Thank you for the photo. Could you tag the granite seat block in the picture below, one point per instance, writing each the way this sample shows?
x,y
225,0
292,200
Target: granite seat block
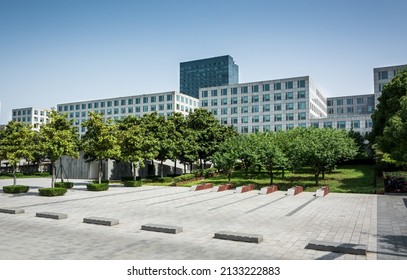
x,y
323,191
162,228
245,188
295,190
238,236
12,210
338,247
269,189
51,215
101,221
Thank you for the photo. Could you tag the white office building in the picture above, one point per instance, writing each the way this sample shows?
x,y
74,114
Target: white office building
x,y
267,105
35,117
164,103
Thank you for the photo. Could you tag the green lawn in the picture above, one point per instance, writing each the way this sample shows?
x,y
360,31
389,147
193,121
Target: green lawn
x,y
345,179
21,175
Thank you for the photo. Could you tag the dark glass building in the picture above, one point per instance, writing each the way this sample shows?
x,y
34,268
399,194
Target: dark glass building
x,y
209,72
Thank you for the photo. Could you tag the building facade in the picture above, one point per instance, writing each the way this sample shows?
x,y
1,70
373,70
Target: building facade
x,y
34,117
215,71
267,105
164,103
382,76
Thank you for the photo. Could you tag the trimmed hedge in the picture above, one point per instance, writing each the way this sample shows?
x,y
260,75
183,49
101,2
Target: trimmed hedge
x,y
103,181
97,187
130,178
132,183
16,189
52,191
184,177
67,185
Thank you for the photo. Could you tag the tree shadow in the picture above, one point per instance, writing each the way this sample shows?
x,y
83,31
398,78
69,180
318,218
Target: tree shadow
x,y
392,247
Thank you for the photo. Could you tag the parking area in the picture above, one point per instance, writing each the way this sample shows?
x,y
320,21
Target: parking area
x,y
287,224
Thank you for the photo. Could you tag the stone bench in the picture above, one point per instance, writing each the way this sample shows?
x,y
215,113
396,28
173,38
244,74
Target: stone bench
x,y
337,247
12,210
201,187
295,190
269,189
222,188
101,221
238,236
246,188
51,215
162,228
323,191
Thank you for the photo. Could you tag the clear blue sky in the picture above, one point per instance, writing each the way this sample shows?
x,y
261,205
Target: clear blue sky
x,y
54,51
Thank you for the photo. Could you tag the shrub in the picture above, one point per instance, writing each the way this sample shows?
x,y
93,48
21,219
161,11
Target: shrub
x,y
52,191
184,177
132,183
66,185
16,189
209,172
97,187
130,178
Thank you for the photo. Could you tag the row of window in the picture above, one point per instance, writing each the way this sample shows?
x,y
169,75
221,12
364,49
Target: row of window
x,y
126,102
255,108
351,110
266,118
279,127
254,88
350,101
28,119
264,97
28,112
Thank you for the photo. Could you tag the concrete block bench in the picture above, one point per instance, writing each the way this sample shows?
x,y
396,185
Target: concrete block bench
x,y
269,189
246,188
101,221
338,247
295,190
201,187
51,215
12,210
323,191
222,188
162,228
238,236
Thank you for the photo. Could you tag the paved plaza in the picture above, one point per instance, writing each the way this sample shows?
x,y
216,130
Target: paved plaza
x,y
287,224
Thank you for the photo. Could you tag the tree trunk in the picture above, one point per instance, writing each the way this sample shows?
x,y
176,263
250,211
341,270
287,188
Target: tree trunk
x,y
175,167
162,169
282,172
271,176
53,167
133,165
317,178
14,174
185,168
60,168
200,163
323,172
229,175
100,171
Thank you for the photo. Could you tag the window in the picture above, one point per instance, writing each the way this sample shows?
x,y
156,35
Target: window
x,y
255,108
266,118
266,128
277,96
331,111
123,102
245,129
339,102
214,93
244,89
116,111
255,98
278,127
359,100
234,90
383,75
330,103
277,86
224,111
370,109
65,109
116,103
289,117
214,111
84,106
137,109
169,106
214,102
130,110
89,105
255,119
224,91
349,110
161,98
339,110
368,123
301,94
341,125
360,109
245,109
137,100
266,97
145,108
289,95
130,101
289,106
288,85
355,124
233,120
302,116
205,93
302,105
327,124
302,125
255,128
289,126
169,97
204,103
145,99
102,105
160,107
244,99
70,108
233,110
266,87
233,100
255,88
349,101
245,119
277,118
123,110
224,120
277,107
315,124
266,108
301,83
224,101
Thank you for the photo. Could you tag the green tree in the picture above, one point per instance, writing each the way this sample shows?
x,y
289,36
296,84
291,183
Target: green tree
x,y
269,152
226,157
16,142
320,148
246,152
136,143
58,139
100,141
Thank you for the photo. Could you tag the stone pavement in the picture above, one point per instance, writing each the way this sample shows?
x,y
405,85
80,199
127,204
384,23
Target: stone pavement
x,y
287,224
